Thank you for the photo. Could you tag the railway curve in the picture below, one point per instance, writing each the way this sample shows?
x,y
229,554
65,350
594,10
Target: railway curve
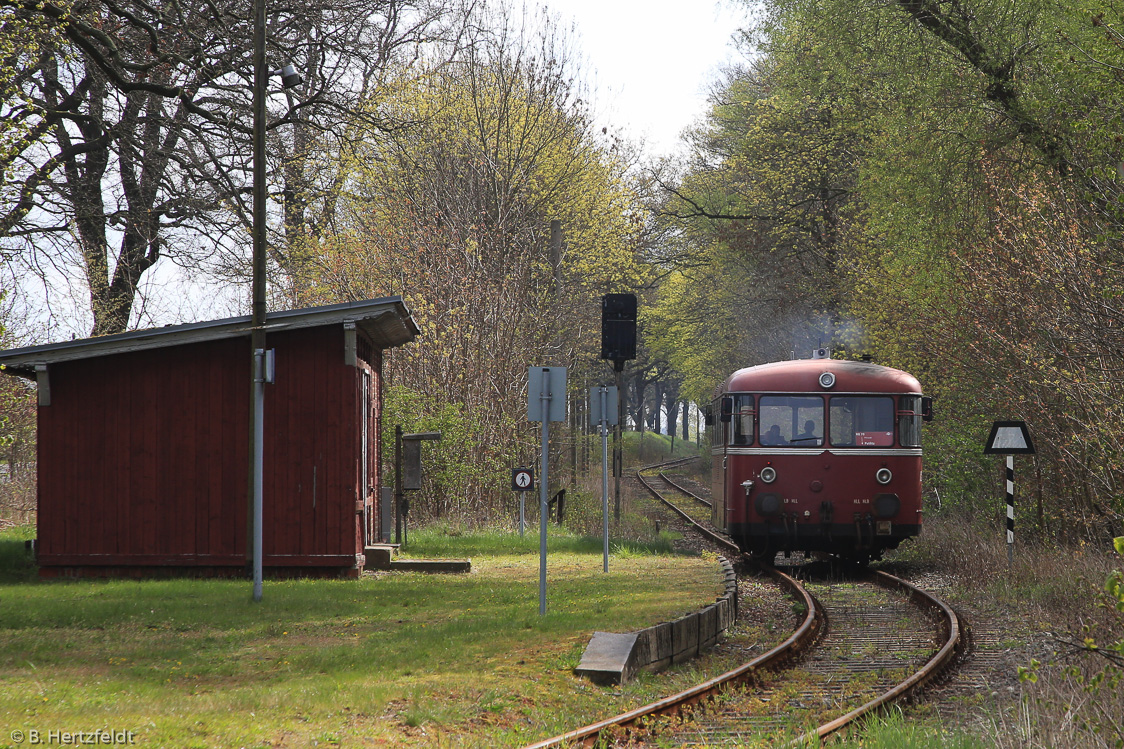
x,y
949,635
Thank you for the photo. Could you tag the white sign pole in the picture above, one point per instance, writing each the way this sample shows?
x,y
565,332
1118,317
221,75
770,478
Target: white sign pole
x,y
543,505
604,395
549,404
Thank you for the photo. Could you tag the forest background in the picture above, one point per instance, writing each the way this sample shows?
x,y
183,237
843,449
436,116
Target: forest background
x,y
934,184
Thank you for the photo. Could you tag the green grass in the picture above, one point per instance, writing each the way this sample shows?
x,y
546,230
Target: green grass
x,y
654,448
15,562
893,730
445,540
396,659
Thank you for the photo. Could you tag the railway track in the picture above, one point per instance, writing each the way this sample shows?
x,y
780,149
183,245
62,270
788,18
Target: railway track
x,y
704,502
865,640
700,526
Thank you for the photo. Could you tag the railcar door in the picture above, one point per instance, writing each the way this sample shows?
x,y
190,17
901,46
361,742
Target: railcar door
x,y
717,435
739,435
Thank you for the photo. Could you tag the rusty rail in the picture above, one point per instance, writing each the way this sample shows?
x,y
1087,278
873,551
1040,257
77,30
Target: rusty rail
x,y
944,657
685,490
801,638
707,533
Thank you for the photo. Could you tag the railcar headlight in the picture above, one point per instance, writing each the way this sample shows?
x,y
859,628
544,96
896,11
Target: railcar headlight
x,y
768,474
883,476
827,379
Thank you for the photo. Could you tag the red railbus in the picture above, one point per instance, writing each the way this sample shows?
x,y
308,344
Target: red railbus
x,y
818,455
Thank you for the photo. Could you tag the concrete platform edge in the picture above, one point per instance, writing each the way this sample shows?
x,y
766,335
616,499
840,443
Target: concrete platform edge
x,y
615,658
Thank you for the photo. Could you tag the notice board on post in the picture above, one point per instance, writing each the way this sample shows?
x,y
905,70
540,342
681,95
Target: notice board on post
x,y
549,381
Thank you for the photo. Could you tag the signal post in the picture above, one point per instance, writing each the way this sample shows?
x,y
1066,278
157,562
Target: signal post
x,y
618,344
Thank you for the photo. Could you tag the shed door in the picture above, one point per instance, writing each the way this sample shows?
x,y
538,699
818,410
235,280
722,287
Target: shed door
x,y
365,452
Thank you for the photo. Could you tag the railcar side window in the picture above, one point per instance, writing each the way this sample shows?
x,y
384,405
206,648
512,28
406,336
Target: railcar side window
x,y
742,423
862,421
791,420
717,427
909,420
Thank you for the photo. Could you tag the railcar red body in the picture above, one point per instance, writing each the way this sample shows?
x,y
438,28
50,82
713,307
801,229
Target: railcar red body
x,y
818,455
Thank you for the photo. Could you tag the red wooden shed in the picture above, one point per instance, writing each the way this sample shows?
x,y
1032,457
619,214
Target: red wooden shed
x,y
143,444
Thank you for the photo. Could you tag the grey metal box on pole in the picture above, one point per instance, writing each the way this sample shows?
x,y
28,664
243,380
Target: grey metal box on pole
x,y
386,512
552,382
611,416
411,465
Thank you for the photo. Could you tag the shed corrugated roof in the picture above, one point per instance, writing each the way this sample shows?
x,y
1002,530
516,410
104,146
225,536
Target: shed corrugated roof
x,y
387,321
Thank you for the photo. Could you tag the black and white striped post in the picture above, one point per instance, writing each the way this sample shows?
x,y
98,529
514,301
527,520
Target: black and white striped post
x,y
1009,438
1010,510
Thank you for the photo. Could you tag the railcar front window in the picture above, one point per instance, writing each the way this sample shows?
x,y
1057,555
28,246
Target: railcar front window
x,y
742,421
791,420
909,420
862,421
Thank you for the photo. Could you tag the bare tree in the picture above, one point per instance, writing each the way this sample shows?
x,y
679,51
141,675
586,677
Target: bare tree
x,y
454,212
135,142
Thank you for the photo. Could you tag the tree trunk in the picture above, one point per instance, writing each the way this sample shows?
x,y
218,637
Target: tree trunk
x,y
657,407
672,414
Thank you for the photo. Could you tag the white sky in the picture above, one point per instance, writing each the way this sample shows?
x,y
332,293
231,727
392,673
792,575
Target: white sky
x,y
652,61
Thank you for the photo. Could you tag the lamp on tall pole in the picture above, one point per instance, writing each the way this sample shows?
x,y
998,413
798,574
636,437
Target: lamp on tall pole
x,y
257,303
289,78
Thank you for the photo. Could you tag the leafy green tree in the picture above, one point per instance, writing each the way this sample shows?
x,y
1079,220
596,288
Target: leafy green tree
x,y
17,443
455,211
765,209
977,144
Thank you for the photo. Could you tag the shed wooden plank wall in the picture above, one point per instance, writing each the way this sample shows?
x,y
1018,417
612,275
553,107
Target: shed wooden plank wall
x,y
311,451
144,456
